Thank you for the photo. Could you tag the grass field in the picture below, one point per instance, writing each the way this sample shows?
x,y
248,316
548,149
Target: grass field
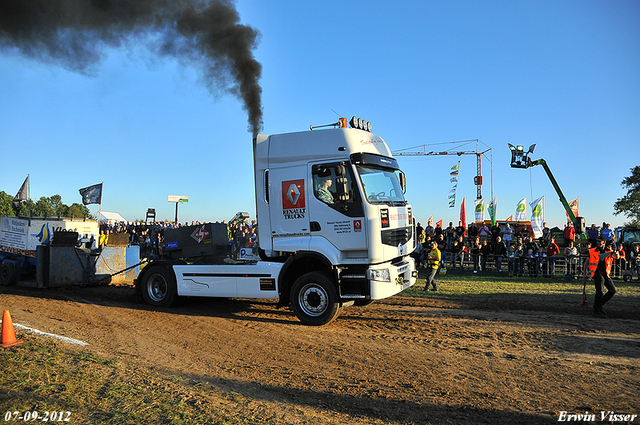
x,y
525,293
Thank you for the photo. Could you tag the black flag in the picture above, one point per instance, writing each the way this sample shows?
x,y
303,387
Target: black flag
x,y
22,195
91,194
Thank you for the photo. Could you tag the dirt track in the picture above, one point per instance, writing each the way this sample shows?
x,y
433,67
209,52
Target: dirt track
x,y
401,360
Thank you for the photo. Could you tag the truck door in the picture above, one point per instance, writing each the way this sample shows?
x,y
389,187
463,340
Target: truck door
x,y
336,211
288,204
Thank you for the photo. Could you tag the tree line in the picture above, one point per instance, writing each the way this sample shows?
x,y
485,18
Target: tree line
x,y
51,206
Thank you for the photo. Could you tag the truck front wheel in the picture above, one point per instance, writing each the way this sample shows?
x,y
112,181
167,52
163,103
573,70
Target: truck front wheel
x,y
8,274
158,287
314,299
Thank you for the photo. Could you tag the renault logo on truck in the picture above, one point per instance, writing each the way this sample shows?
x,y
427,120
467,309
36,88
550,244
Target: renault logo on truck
x,y
293,194
293,201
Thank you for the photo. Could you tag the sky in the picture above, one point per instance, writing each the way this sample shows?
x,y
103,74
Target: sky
x,y
564,75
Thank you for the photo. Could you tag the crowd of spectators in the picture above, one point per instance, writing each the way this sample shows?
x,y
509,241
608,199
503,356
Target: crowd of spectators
x,y
150,236
501,248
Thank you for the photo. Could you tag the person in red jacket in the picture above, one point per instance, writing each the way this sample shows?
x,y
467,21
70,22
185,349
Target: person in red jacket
x,y
600,259
569,234
552,251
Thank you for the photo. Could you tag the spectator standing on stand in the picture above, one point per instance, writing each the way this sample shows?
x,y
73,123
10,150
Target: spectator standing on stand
x,y
485,252
546,235
499,252
569,234
449,233
484,232
495,232
532,249
571,258
518,260
552,251
507,234
460,231
607,234
592,235
472,232
419,229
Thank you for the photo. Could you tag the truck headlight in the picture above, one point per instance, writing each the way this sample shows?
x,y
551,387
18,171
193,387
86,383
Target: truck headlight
x,y
381,275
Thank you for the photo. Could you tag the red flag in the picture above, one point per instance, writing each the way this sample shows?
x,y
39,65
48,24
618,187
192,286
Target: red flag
x,y
510,218
439,223
463,217
430,221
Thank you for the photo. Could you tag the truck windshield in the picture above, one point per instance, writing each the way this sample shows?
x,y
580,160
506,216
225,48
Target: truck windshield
x,y
381,185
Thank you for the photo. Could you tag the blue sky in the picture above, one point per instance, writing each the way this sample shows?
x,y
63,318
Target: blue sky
x,y
562,74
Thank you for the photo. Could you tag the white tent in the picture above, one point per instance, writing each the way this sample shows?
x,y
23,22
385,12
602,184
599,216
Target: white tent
x,y
110,217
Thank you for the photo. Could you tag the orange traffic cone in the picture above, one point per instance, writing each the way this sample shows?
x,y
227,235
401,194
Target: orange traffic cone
x,y
8,334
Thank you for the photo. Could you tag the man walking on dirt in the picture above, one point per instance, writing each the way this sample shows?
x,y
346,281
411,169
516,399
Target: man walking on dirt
x,y
433,261
600,259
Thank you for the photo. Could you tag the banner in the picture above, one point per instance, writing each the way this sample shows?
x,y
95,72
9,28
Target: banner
x,y
454,180
537,216
574,207
521,210
493,206
463,217
479,216
91,194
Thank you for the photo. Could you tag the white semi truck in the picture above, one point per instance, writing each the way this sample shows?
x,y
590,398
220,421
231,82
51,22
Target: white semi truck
x,y
334,229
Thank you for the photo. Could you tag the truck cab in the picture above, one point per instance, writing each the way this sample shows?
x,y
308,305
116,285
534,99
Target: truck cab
x,y
332,202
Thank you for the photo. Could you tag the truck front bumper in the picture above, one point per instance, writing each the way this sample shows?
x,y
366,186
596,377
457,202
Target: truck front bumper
x,y
388,279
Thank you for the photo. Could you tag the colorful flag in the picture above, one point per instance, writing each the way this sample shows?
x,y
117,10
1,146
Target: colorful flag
x,y
521,210
463,217
454,180
430,221
493,206
91,194
537,216
479,216
574,207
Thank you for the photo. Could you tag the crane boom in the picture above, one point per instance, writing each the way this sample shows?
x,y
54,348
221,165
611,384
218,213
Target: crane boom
x,y
477,180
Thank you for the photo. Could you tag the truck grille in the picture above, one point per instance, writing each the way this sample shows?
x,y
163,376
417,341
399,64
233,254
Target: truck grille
x,y
395,237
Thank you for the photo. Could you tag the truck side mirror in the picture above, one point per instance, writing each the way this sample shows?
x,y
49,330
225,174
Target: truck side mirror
x,y
403,182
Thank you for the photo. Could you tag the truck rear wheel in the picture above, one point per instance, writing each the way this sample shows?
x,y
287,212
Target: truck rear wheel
x,y
158,287
314,299
8,274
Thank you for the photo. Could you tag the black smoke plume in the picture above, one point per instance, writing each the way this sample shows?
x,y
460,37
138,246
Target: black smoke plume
x,y
203,33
